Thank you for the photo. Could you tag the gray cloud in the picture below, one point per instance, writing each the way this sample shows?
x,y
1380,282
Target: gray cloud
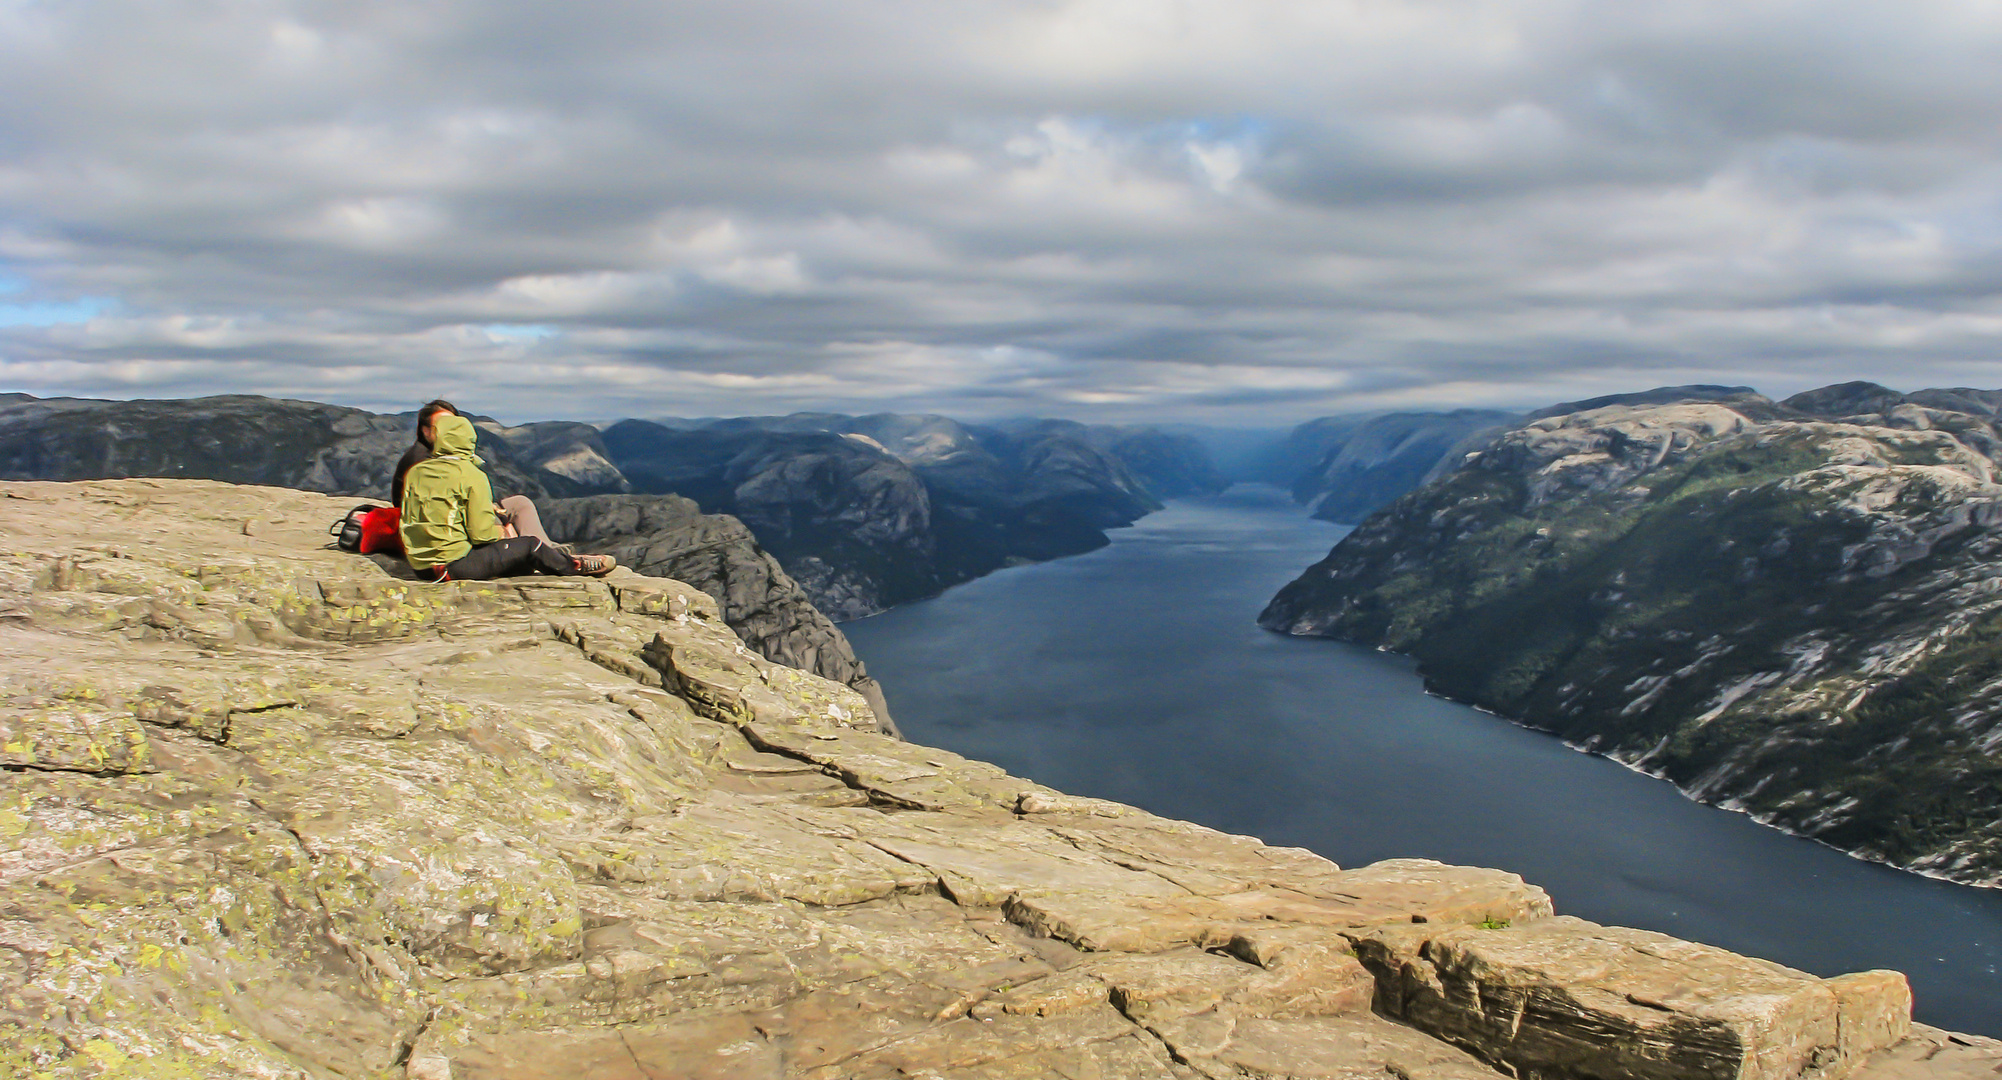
x,y
1240,211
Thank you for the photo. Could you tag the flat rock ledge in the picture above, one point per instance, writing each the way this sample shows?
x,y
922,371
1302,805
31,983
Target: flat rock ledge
x,y
270,811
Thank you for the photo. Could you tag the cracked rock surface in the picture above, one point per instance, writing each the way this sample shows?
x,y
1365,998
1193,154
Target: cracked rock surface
x,y
267,810
669,536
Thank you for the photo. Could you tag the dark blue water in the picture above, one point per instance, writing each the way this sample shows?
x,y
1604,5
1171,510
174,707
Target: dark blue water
x,y
1137,673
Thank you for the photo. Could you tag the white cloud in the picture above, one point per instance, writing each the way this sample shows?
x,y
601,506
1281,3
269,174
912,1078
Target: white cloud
x,y
1237,210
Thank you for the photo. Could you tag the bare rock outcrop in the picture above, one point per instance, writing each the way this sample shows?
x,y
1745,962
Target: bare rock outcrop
x,y
669,536
272,811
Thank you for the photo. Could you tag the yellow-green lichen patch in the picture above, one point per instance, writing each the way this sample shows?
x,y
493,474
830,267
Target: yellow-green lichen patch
x,y
74,736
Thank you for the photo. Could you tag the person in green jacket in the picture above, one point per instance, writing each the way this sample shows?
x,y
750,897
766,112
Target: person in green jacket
x,y
448,526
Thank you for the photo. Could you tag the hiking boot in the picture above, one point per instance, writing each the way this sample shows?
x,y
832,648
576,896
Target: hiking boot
x,y
594,565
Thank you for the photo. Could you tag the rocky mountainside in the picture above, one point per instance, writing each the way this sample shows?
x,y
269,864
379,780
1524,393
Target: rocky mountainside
x,y
1141,463
272,811
246,439
1365,466
1789,607
874,511
575,452
1169,464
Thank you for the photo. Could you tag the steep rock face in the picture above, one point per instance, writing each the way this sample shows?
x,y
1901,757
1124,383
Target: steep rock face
x,y
245,439
273,811
1780,607
1381,458
668,536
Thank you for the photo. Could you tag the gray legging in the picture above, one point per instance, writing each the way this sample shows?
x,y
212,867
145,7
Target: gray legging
x,y
519,511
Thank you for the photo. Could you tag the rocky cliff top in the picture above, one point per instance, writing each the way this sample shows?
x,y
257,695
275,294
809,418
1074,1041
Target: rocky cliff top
x,y
271,810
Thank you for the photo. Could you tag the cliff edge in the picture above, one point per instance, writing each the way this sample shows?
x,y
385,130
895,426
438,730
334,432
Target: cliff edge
x,y
272,811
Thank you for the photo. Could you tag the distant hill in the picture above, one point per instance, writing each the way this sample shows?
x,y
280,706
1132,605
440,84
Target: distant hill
x,y
246,439
1366,464
873,511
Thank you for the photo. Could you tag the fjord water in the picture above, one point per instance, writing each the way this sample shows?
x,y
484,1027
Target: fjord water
x,y
1137,673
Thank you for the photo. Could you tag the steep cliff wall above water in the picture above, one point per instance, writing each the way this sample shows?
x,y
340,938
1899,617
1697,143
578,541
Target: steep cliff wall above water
x,y
1786,607
272,811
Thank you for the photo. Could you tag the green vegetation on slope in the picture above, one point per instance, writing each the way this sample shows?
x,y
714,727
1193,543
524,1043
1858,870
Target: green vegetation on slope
x,y
1795,616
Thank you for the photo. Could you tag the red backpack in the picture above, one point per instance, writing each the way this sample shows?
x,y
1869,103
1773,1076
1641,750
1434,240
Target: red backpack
x,y
368,530
380,531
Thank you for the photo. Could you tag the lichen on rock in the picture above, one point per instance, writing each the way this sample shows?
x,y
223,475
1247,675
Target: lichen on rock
x,y
268,810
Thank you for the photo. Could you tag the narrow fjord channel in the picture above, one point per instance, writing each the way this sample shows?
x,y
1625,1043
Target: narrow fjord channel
x,y
1137,673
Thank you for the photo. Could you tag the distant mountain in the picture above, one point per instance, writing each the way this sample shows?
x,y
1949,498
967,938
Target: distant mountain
x,y
1293,457
1366,464
1156,461
1170,465
573,451
1793,608
1743,398
873,511
246,439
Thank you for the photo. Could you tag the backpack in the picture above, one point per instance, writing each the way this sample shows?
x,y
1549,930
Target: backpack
x,y
380,531
347,531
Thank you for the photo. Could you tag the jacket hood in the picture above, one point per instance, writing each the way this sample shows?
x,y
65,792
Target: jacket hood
x,y
454,436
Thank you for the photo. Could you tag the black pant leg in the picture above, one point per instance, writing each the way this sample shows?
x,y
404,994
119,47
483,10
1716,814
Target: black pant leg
x,y
502,558
551,559
513,556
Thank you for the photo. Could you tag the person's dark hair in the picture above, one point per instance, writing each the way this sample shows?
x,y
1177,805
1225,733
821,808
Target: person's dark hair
x,y
431,409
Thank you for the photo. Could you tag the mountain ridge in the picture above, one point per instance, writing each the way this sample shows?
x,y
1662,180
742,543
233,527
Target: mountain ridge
x,y
845,503
1783,607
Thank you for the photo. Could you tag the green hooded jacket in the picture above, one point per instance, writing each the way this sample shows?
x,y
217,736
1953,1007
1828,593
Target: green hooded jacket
x,y
448,503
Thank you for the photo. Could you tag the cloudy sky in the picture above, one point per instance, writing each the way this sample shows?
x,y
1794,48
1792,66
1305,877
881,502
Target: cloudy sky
x,y
1234,211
